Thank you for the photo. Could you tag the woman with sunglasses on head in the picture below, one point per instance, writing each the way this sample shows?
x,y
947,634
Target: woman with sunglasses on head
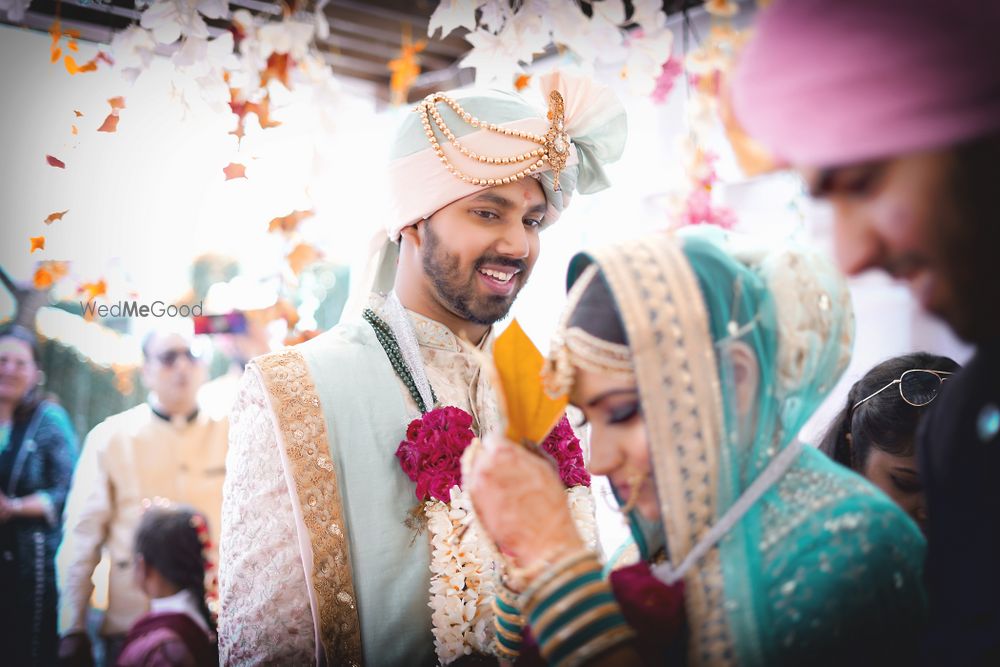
x,y
696,360
875,433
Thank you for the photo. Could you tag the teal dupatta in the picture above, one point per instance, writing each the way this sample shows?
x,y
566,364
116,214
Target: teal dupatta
x,y
823,566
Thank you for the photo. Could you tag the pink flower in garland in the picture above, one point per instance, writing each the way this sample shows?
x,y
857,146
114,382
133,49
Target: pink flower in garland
x,y
563,445
431,455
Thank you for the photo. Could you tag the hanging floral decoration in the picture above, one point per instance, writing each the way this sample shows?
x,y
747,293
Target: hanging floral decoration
x,y
504,36
706,67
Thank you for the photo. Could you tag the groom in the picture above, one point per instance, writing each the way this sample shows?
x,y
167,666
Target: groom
x,y
317,562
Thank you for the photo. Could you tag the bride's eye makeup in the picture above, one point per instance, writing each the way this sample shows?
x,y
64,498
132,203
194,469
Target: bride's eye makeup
x,y
623,413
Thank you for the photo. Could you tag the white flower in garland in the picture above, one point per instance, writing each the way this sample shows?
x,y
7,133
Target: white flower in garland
x,y
461,585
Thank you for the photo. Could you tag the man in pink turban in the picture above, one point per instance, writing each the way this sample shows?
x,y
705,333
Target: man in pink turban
x,y
890,109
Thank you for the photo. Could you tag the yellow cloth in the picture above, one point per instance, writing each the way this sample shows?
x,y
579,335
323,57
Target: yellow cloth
x,y
127,458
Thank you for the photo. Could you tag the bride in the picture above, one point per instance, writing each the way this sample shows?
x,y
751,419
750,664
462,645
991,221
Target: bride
x,y
696,363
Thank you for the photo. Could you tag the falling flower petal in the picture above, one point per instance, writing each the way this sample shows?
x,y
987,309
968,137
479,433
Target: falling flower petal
x,y
56,53
289,223
52,217
37,243
93,290
110,123
522,81
72,46
74,130
55,162
79,114
50,272
302,256
234,170
117,103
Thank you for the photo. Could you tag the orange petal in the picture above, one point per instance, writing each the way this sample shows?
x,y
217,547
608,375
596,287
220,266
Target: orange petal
x,y
72,45
56,52
93,290
74,130
522,81
290,222
302,256
52,217
79,114
110,123
234,170
117,102
37,243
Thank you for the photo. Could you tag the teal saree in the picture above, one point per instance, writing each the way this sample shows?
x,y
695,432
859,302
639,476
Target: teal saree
x,y
787,558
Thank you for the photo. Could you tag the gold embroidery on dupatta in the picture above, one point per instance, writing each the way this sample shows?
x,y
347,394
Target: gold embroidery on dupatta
x,y
303,430
666,322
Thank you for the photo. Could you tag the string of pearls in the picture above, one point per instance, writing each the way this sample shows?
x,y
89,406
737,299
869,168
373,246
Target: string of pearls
x,y
553,146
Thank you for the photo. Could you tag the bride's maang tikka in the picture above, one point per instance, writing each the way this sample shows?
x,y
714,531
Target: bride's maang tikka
x,y
574,348
553,146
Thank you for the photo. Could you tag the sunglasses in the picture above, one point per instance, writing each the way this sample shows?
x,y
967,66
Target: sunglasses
x,y
917,386
170,357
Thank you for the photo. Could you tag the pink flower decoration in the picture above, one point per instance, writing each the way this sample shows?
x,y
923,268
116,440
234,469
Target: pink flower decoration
x,y
563,445
665,82
431,454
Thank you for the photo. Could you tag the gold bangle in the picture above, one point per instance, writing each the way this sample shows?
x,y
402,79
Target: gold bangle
x,y
556,570
583,620
507,634
574,597
597,646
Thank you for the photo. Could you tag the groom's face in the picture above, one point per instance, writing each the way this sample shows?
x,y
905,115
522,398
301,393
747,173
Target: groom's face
x,y
478,252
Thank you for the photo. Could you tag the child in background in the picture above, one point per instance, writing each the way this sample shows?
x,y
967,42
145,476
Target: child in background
x,y
170,551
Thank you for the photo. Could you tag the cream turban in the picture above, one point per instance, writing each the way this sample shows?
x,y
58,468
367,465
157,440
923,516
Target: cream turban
x,y
592,130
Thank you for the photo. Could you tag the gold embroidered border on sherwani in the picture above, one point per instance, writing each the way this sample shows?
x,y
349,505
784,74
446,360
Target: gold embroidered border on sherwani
x,y
666,322
303,434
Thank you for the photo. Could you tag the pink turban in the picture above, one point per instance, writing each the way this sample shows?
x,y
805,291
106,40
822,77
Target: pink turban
x,y
832,82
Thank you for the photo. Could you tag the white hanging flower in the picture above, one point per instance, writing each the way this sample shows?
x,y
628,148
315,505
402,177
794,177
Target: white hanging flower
x,y
291,37
646,56
133,50
14,9
170,19
452,14
649,15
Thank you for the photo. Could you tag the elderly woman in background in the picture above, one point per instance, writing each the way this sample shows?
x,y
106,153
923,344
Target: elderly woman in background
x,y
696,361
875,433
38,449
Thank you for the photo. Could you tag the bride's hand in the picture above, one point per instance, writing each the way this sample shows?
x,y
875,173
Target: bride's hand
x,y
521,503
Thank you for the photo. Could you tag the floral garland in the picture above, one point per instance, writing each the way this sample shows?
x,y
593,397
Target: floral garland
x,y
463,562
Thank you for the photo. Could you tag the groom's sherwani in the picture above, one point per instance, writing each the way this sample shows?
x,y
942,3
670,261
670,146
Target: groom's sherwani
x,y
317,562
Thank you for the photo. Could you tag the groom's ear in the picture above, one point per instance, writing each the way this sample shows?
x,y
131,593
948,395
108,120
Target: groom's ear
x,y
746,375
413,235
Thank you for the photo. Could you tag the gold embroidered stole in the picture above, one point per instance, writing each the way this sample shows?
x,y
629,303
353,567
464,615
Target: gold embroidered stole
x,y
303,436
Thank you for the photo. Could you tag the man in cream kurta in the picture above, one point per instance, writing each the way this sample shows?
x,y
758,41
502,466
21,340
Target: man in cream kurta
x,y
319,563
165,448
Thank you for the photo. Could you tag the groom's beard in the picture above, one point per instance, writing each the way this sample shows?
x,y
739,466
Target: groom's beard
x,y
459,288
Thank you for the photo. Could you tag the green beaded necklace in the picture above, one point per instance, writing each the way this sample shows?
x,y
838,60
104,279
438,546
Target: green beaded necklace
x,y
387,340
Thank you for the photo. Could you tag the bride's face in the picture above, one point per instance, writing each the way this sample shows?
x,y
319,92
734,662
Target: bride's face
x,y
618,442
